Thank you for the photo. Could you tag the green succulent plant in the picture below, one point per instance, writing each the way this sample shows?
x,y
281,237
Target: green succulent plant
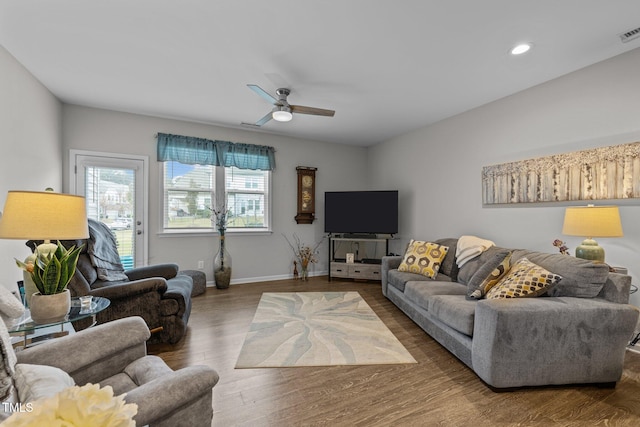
x,y
52,271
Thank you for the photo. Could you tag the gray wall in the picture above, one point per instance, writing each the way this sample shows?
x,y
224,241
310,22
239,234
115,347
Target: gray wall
x,y
438,168
30,138
255,257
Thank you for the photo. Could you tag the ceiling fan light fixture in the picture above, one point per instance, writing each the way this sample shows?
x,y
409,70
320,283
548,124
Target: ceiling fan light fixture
x,y
282,114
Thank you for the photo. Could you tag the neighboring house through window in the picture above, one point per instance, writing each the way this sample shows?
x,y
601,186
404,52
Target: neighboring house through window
x,y
198,174
190,194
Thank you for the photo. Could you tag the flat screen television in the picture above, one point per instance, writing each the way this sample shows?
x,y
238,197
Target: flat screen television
x,y
361,212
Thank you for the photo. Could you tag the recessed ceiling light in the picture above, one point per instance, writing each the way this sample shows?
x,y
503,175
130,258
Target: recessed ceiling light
x,y
521,48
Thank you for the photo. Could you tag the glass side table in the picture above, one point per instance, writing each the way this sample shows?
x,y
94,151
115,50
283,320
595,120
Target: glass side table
x,y
25,326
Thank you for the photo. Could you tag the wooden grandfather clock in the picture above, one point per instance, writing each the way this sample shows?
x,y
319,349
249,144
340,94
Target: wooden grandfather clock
x,y
306,195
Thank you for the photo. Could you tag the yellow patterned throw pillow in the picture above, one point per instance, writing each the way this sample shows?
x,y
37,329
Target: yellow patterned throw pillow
x,y
423,258
525,279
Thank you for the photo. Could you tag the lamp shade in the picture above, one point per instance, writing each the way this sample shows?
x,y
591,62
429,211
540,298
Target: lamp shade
x,y
592,221
32,215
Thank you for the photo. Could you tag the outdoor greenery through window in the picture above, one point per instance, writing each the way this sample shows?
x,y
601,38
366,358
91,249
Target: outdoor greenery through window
x,y
190,191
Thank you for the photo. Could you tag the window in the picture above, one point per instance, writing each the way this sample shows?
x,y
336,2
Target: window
x,y
190,191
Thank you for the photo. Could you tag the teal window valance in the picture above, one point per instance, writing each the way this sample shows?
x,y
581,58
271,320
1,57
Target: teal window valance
x,y
199,151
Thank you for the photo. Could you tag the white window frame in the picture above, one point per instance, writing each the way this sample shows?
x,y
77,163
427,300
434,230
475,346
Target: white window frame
x,y
220,185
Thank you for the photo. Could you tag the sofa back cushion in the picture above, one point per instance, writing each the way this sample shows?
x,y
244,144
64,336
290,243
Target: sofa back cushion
x,y
449,266
470,267
580,278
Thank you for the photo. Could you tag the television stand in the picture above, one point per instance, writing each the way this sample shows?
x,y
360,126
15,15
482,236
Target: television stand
x,y
360,268
359,236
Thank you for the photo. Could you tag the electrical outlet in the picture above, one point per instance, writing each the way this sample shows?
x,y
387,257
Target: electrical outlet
x,y
201,264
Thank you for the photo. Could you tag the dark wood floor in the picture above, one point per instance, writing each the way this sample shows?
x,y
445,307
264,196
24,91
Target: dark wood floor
x,y
439,390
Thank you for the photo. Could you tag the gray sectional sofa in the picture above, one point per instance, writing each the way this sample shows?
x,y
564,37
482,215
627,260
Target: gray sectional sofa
x,y
576,333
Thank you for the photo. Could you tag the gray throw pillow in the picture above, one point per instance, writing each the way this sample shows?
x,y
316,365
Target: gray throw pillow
x,y
471,267
488,275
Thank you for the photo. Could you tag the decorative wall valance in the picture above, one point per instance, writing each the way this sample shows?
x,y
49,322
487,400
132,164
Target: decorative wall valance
x,y
199,151
595,174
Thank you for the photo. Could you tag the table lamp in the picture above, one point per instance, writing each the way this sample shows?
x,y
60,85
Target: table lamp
x,y
34,215
592,221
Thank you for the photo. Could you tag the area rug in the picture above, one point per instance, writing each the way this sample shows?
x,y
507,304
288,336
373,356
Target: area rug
x,y
318,329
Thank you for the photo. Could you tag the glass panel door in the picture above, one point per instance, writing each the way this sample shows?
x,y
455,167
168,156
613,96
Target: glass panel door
x,y
114,189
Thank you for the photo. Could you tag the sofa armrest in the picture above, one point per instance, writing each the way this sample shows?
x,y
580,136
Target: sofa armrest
x,y
616,288
175,390
388,263
124,290
538,341
95,353
167,271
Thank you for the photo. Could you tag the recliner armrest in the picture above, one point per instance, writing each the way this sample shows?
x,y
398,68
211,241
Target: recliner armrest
x,y
123,290
103,350
167,271
175,390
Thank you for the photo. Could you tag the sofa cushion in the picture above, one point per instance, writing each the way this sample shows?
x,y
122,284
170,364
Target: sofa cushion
x,y
399,279
488,275
423,258
580,277
470,267
454,311
525,279
419,292
449,266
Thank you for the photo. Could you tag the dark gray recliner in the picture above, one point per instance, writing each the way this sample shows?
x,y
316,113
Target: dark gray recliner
x,y
157,293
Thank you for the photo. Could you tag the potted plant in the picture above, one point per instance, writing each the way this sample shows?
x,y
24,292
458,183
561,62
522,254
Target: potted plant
x,y
50,272
304,255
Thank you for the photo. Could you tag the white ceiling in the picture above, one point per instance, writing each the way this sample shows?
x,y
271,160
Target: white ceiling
x,y
386,67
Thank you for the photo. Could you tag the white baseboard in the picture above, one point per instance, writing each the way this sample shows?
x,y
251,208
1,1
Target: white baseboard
x,y
266,278
633,349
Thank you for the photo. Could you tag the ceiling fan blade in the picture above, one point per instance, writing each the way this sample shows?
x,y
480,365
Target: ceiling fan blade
x,y
257,89
265,119
300,109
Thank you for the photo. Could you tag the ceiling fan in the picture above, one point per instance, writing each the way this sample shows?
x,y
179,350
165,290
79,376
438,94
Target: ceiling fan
x,y
282,110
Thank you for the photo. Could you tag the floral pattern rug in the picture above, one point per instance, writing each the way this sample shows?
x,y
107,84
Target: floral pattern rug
x,y
318,329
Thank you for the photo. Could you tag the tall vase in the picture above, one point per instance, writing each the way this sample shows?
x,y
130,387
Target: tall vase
x,y
222,265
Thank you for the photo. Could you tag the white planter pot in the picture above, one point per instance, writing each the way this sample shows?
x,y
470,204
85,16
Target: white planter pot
x,y
50,308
